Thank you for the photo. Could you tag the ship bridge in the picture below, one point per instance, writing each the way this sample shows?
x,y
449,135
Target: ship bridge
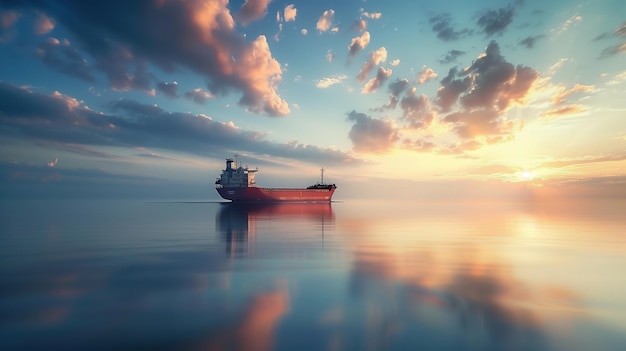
x,y
236,177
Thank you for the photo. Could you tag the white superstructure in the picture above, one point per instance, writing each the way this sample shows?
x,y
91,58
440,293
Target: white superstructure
x,y
236,177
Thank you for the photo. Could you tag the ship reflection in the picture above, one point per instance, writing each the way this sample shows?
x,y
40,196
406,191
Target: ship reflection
x,y
238,223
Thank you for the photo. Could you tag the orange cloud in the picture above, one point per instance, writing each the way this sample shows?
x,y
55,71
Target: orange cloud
x,y
325,21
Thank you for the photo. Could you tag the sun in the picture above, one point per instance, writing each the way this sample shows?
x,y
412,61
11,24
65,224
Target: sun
x,y
527,175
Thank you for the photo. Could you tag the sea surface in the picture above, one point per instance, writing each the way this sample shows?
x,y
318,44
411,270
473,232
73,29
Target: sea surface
x,y
351,275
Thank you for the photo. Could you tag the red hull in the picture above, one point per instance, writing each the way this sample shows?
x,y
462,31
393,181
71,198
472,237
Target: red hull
x,y
254,194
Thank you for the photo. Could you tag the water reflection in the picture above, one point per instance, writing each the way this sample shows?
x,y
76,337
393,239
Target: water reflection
x,y
494,278
346,276
238,223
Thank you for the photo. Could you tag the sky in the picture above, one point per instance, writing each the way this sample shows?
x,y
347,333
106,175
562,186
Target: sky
x,y
389,97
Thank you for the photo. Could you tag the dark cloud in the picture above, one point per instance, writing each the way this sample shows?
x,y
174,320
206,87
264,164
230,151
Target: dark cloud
x,y
395,89
451,56
60,56
530,41
485,90
613,50
496,21
124,39
373,135
442,25
199,95
61,119
7,19
169,89
360,25
252,10
417,110
398,86
620,31
496,82
450,90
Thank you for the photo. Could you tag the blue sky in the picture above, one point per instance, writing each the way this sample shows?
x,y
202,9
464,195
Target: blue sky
x,y
153,95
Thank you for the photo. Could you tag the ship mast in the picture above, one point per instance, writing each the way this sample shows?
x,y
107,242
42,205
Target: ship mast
x,y
322,170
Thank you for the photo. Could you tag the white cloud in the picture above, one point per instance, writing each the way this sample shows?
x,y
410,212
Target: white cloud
x,y
330,81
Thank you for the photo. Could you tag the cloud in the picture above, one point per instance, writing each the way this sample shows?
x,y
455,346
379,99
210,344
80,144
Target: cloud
x,y
53,163
482,123
199,95
451,56
376,57
304,31
360,25
62,119
358,44
169,89
426,74
570,21
613,50
373,84
442,25
394,62
485,89
530,41
582,160
7,19
618,32
43,24
327,82
330,57
325,21
125,40
450,90
371,135
617,79
396,88
418,111
373,15
290,13
496,21
251,11
60,56
560,111
562,94
495,82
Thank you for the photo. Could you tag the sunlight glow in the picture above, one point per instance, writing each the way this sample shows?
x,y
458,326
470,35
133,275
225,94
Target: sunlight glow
x,y
527,175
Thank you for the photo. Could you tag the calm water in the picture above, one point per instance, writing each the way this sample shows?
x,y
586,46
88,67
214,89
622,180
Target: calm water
x,y
107,275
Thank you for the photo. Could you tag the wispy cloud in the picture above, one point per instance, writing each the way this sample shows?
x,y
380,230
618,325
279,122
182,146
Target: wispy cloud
x,y
327,82
495,21
132,124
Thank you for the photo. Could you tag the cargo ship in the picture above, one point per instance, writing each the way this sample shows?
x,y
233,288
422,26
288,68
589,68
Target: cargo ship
x,y
237,184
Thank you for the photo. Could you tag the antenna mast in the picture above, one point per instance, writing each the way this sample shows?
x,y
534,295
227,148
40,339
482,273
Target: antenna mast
x,y
322,169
